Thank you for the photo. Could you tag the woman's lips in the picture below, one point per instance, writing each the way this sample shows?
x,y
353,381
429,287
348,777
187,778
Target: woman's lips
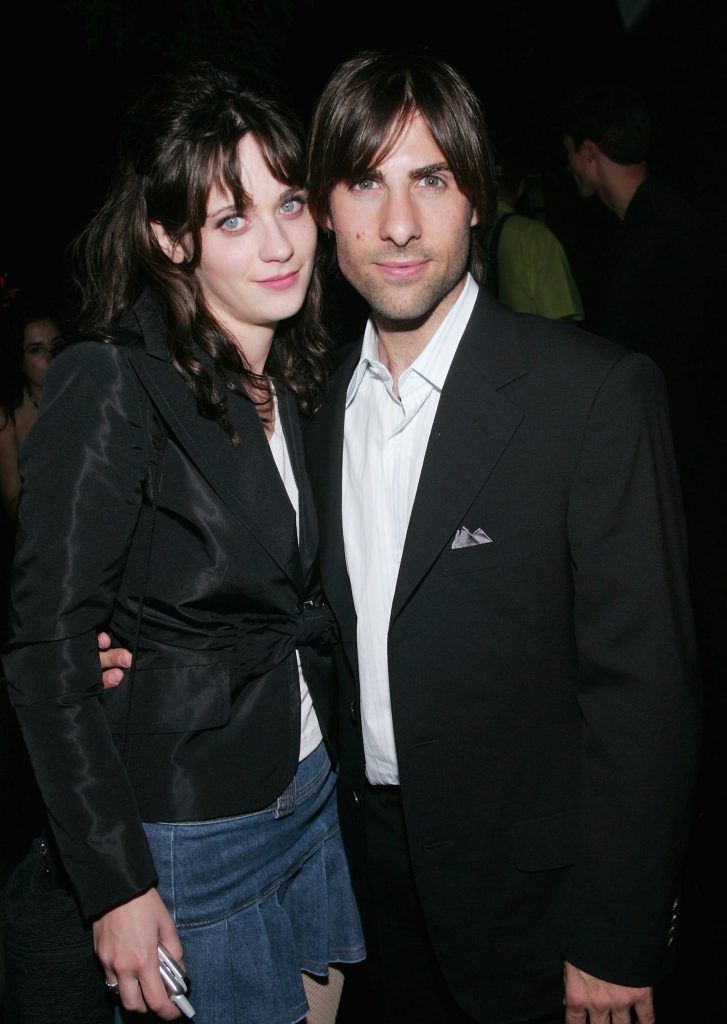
x,y
279,284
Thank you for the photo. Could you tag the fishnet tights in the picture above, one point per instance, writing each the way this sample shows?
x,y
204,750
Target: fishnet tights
x,y
323,995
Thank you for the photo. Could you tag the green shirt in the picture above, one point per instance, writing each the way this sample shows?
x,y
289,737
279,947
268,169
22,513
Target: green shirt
x,y
533,275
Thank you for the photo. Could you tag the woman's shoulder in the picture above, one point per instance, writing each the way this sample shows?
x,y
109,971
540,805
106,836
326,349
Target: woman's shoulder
x,y
89,377
94,357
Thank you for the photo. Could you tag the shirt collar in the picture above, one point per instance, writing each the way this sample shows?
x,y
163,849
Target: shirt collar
x,y
434,360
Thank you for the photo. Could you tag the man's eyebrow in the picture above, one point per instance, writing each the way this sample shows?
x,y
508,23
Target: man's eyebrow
x,y
371,173
423,172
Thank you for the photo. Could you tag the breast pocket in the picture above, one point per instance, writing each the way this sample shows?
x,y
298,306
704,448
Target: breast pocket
x,y
517,547
177,699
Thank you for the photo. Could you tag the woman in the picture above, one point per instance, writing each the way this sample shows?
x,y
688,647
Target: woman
x,y
32,335
193,806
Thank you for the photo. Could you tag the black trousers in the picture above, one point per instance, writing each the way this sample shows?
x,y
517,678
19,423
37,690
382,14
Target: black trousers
x,y
408,985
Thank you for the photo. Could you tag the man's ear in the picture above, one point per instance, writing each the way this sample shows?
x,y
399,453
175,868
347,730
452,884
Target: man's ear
x,y
589,150
171,247
474,219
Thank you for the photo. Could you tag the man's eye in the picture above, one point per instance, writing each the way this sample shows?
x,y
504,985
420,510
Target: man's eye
x,y
365,185
432,181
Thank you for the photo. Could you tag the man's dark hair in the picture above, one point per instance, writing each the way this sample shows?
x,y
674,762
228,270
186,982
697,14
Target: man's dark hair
x,y
366,107
615,117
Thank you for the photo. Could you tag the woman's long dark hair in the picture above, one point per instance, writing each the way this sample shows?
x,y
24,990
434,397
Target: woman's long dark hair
x,y
180,139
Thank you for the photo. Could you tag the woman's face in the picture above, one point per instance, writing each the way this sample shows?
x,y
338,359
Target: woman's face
x,y
39,337
256,263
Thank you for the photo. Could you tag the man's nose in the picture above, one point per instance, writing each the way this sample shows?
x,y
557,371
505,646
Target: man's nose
x,y
400,221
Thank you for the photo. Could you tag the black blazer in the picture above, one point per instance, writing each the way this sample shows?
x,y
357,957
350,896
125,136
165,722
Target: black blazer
x,y
543,685
211,725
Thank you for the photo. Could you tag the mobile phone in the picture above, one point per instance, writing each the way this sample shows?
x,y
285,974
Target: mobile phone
x,y
174,981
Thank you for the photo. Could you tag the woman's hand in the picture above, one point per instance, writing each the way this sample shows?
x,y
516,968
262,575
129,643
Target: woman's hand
x,y
113,660
125,940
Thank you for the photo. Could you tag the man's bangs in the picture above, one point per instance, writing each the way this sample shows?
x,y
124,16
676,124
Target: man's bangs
x,y
372,136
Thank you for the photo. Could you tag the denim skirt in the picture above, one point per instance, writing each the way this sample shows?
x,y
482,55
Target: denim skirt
x,y
259,898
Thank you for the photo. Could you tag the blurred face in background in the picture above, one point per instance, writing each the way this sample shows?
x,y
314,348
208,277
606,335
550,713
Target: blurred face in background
x,y
39,337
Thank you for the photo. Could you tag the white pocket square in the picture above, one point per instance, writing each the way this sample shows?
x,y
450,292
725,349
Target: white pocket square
x,y
464,539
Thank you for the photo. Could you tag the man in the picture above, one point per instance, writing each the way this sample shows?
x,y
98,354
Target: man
x,y
665,285
527,267
664,295
503,549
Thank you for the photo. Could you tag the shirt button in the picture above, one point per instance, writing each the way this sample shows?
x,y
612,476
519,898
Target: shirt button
x,y
356,797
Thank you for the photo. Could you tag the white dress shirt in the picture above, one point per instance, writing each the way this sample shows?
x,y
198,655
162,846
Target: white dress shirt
x,y
385,439
310,730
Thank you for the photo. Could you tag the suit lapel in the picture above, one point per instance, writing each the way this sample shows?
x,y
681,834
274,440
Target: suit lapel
x,y
471,429
244,476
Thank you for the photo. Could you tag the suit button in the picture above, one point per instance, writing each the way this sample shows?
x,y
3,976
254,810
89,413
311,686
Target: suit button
x,y
670,940
354,713
356,797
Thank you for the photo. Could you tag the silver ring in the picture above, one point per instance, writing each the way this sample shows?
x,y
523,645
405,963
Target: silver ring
x,y
112,986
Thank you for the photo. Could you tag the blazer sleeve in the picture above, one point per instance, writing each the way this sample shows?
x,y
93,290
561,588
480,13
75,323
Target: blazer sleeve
x,y
638,682
83,464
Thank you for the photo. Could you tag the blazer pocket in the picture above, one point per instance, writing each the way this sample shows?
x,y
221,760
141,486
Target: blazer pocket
x,y
542,844
179,699
522,546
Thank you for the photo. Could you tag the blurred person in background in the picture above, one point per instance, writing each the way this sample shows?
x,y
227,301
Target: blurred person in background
x,y
527,267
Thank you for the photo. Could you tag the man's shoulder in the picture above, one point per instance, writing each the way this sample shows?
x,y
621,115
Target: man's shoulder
x,y
548,342
661,210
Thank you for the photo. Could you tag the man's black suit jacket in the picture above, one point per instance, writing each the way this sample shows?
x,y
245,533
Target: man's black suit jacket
x,y
543,685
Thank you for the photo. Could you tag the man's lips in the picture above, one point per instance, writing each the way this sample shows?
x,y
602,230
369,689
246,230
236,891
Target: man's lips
x,y
398,269
281,281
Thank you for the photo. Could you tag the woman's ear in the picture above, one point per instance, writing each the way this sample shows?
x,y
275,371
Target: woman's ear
x,y
171,247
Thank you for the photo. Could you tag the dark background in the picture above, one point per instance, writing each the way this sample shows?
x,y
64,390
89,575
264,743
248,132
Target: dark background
x,y
70,70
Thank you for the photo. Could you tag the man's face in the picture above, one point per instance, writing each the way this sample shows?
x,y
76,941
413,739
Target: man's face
x,y
403,232
581,167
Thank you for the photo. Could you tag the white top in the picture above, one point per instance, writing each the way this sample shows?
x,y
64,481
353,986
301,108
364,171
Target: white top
x,y
310,730
385,439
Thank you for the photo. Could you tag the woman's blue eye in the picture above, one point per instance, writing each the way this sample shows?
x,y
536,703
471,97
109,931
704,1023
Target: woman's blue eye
x,y
233,223
292,205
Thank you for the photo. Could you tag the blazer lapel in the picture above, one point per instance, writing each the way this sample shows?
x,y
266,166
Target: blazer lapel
x,y
471,429
244,476
307,521
328,457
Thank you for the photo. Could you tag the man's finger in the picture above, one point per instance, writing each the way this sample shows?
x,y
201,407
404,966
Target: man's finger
x,y
104,641
112,677
117,657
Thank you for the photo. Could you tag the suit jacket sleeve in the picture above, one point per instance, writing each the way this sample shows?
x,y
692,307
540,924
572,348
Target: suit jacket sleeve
x,y
637,682
83,465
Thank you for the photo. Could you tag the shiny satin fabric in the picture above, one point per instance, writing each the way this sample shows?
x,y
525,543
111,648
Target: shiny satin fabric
x,y
213,723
